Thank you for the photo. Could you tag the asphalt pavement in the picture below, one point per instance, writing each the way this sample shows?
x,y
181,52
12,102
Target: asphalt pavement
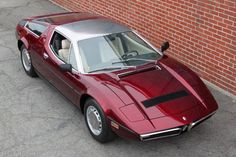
x,y
37,121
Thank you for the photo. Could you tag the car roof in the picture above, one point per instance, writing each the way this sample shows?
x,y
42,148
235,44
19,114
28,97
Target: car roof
x,y
79,26
91,28
65,18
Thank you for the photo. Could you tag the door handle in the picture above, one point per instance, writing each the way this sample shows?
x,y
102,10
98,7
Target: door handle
x,y
45,56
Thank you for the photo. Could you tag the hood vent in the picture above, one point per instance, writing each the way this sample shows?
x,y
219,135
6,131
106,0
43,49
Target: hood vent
x,y
156,67
164,98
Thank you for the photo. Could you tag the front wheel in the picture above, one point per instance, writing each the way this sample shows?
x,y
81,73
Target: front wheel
x,y
96,122
27,62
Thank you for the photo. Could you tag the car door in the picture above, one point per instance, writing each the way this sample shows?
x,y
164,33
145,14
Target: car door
x,y
36,40
66,82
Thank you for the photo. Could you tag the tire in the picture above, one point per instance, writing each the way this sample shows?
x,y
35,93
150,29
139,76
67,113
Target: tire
x,y
27,62
105,133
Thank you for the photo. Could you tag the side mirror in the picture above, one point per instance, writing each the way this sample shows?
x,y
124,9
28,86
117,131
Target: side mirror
x,y
65,67
165,46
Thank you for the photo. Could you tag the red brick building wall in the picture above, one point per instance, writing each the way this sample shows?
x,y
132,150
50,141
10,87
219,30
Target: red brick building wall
x,y
202,33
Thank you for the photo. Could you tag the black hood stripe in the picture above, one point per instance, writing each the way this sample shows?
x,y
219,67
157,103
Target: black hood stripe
x,y
164,98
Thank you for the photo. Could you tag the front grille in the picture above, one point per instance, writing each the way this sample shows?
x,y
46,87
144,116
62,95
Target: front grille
x,y
196,123
161,134
173,131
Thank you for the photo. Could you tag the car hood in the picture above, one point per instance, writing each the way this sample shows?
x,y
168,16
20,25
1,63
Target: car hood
x,y
164,89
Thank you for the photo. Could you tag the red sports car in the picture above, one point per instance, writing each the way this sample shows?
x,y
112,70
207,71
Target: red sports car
x,y
122,83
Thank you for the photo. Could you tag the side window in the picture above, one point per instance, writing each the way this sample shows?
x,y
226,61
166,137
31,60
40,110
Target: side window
x,y
72,59
63,49
56,41
36,28
22,23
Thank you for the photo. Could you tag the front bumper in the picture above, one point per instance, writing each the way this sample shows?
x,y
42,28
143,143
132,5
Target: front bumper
x,y
173,131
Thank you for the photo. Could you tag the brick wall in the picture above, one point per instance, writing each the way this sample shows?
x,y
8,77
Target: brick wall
x,y
202,33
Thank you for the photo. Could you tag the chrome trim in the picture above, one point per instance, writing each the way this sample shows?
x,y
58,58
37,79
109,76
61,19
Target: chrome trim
x,y
193,124
158,67
37,22
144,137
188,127
28,30
45,56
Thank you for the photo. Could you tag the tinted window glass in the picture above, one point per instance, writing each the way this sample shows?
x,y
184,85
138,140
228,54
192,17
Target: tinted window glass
x,y
115,50
22,23
36,28
72,59
56,42
63,49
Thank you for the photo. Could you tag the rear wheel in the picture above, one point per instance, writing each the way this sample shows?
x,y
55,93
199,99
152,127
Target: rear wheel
x,y
27,62
96,122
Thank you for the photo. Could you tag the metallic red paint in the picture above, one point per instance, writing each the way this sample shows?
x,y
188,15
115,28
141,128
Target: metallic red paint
x,y
121,98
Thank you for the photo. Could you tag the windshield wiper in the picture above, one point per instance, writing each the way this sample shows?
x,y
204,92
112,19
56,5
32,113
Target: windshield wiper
x,y
111,68
133,59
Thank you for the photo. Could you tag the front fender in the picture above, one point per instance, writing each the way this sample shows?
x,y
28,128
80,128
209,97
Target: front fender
x,y
107,99
24,41
111,104
191,81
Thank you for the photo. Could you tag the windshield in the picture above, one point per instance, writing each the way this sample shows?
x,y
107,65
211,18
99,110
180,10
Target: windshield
x,y
116,50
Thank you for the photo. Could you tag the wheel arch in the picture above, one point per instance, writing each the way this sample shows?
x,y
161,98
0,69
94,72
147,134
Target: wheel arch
x,y
109,102
21,42
102,98
82,101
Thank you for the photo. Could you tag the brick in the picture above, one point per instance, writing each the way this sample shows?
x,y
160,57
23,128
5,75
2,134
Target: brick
x,y
202,33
